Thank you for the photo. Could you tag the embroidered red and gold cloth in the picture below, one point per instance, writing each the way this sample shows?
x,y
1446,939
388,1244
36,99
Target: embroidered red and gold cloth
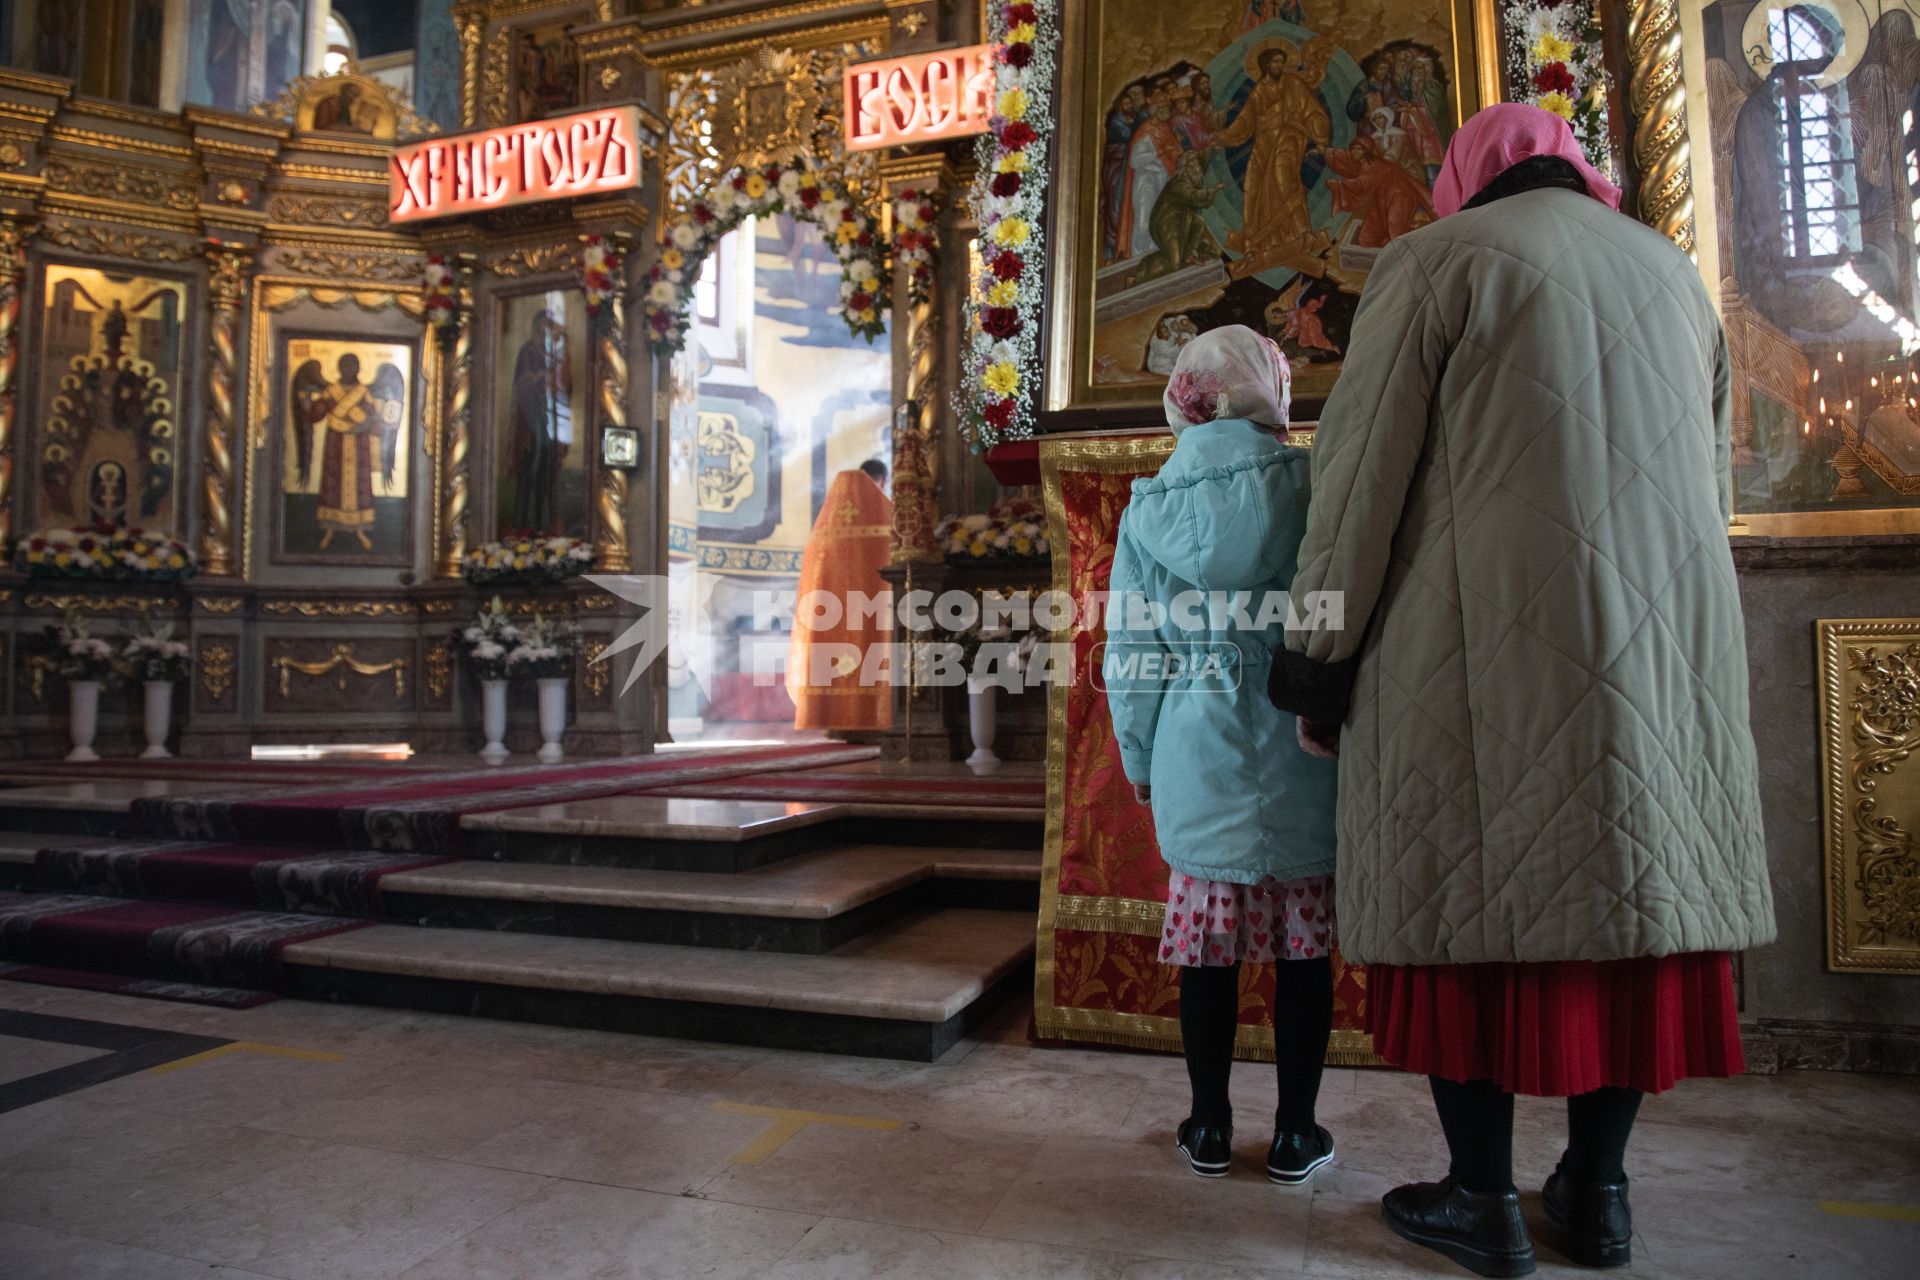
x,y
1103,892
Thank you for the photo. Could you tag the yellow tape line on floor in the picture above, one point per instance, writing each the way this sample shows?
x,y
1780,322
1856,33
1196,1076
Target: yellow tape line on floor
x,y
245,1046
1862,1209
787,1124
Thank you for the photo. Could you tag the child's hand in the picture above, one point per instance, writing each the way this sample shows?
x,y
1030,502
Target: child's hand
x,y
1143,792
1322,741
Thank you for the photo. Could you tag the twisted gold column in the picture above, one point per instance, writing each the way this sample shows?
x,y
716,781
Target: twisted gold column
x,y
612,542
1659,98
467,21
916,508
13,265
453,511
226,286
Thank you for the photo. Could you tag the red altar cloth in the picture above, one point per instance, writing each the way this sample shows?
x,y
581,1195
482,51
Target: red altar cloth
x,y
1104,888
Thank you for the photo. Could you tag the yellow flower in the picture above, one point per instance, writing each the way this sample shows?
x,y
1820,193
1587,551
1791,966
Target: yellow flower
x,y
1023,545
1551,48
1002,378
1558,103
176,561
977,549
1011,162
1013,232
62,559
756,185
1020,33
1004,293
519,562
672,259
846,232
1013,104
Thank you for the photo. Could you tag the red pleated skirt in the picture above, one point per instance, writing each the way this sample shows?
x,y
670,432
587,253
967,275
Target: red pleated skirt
x,y
1559,1029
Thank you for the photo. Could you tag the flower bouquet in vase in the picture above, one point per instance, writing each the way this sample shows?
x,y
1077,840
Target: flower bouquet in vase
x,y
84,661
158,662
545,652
486,641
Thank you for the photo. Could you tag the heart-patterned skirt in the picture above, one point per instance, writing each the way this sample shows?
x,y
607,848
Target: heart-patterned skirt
x,y
1213,922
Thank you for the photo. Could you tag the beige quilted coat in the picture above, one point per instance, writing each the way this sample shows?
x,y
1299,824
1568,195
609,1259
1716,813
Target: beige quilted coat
x,y
1520,485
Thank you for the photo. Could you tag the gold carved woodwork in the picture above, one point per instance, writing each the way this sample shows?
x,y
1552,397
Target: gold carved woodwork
x,y
84,237
216,668
395,118
11,156
467,23
220,604
1659,99
494,98
340,608
612,349
454,458
596,676
609,80
345,264
335,211
1869,734
37,667
438,671
100,604
120,182
437,608
536,260
14,232
339,664
805,23
226,285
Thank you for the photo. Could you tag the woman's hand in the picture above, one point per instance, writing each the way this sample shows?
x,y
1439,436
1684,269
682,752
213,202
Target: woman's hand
x,y
1143,792
1322,741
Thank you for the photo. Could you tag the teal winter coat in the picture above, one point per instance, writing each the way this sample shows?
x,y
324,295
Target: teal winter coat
x,y
1234,796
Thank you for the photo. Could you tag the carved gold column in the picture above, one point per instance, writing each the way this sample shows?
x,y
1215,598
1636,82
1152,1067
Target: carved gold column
x,y
459,438
612,541
467,21
1659,97
13,265
226,287
916,504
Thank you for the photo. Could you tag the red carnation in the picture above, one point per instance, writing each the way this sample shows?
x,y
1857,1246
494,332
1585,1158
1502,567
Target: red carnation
x,y
771,173
739,182
659,321
1017,55
1008,266
1006,184
38,544
809,196
999,414
1554,78
1017,134
1000,322
846,214
926,213
1019,13
702,214
860,301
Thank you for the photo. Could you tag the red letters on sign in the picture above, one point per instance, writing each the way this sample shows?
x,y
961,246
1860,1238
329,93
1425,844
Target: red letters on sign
x,y
919,98
585,154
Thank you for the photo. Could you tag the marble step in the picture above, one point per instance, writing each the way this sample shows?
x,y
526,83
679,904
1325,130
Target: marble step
x,y
810,903
660,833
906,990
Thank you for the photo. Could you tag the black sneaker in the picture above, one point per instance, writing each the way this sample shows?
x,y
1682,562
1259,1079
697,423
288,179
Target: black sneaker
x,y
1209,1150
1483,1233
1294,1156
1597,1219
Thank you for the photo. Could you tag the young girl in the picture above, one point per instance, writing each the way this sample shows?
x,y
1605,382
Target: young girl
x,y
1243,812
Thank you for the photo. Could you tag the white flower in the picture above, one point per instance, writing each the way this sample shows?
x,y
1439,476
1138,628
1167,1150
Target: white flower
x,y
684,236
846,289
860,269
830,213
487,650
790,183
975,523
663,294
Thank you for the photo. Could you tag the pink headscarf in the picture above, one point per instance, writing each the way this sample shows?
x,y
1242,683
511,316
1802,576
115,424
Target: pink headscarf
x,y
1498,138
1229,372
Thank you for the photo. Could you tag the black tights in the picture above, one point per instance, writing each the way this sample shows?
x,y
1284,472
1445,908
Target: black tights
x,y
1303,1022
1478,1119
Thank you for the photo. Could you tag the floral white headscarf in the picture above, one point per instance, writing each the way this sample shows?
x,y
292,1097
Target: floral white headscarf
x,y
1231,372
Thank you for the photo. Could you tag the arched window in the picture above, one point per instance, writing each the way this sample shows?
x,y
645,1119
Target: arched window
x,y
341,46
1819,198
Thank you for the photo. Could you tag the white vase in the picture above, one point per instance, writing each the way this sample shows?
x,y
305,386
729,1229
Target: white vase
x,y
158,719
493,719
983,715
553,716
83,717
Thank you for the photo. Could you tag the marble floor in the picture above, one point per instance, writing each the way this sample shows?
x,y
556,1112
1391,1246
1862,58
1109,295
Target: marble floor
x,y
328,1142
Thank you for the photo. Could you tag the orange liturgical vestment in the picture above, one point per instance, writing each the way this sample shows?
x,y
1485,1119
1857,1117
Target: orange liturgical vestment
x,y
844,555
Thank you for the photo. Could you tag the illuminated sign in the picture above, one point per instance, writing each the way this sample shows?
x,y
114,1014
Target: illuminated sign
x,y
591,153
919,99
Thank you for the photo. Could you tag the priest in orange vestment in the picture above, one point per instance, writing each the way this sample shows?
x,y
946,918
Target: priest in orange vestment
x,y
849,545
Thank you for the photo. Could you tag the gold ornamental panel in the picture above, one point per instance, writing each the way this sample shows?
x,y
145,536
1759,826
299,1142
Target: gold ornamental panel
x,y
1869,733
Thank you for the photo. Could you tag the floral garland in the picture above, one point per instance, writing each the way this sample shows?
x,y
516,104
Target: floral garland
x,y
109,552
443,294
1554,61
600,263
526,558
913,242
1003,360
1011,529
797,191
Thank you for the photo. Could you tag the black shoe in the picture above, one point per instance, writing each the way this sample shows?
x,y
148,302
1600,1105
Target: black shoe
x,y
1597,1218
1209,1150
1483,1233
1294,1156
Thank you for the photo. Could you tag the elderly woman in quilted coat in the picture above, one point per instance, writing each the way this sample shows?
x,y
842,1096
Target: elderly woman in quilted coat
x,y
1548,820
